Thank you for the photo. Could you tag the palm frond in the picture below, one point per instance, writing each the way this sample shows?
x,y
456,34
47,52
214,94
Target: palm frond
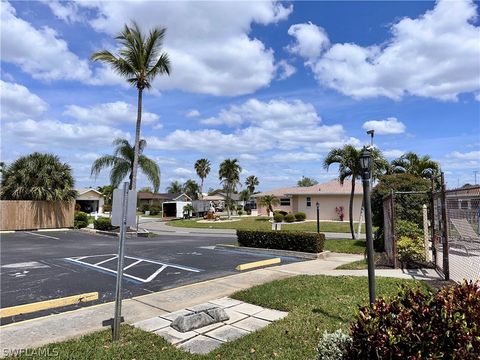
x,y
151,171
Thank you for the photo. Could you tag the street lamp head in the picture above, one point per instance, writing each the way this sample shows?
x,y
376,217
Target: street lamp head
x,y
371,132
366,162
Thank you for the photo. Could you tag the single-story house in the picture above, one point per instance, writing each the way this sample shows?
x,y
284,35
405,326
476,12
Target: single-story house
x,y
220,198
174,207
153,199
90,200
331,196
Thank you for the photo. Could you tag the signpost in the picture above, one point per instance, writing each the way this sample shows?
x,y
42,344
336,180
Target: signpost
x,y
123,215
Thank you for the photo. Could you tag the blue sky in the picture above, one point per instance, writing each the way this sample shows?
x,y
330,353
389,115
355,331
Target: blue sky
x,y
274,84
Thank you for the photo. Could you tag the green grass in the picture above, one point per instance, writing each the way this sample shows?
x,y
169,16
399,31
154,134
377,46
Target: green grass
x,y
346,246
262,223
315,304
355,265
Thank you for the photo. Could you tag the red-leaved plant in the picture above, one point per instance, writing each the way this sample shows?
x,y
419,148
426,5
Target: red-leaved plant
x,y
417,325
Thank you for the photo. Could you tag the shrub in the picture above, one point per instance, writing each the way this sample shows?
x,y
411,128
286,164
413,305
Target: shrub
x,y
107,207
277,217
408,229
155,210
103,224
240,212
410,250
289,218
283,212
333,346
282,240
300,216
80,220
145,207
417,325
239,207
77,224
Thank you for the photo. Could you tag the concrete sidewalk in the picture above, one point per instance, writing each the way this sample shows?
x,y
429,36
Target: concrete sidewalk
x,y
59,327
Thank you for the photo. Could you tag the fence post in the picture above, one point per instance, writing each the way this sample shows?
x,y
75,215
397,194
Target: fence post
x,y
425,232
394,234
445,246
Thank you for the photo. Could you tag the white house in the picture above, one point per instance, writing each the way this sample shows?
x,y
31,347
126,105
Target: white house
x,y
90,200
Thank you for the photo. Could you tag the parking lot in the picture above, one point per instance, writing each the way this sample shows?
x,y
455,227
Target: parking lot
x,y
38,266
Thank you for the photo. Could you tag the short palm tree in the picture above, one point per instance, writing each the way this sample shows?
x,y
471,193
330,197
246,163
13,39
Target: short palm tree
x,y
269,201
229,175
245,195
139,60
348,160
122,162
191,189
411,163
38,177
175,188
202,167
251,182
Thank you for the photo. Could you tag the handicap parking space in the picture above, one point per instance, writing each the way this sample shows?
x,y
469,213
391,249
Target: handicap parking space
x,y
59,264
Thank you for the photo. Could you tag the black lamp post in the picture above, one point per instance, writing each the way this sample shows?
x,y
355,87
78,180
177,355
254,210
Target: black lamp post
x,y
366,165
318,218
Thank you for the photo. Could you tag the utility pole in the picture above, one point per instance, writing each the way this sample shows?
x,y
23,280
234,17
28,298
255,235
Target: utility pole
x,y
475,172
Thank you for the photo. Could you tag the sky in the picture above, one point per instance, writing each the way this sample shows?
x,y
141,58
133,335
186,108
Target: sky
x,y
275,85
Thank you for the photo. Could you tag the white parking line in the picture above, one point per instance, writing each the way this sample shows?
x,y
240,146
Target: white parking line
x,y
104,261
132,264
51,237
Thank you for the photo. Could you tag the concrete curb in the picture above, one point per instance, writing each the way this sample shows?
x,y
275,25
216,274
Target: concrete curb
x,y
275,252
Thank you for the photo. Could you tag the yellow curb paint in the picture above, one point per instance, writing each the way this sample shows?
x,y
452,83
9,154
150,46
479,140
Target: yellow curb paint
x,y
256,264
48,304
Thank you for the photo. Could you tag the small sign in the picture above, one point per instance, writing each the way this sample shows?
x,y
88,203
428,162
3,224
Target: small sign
x,y
117,203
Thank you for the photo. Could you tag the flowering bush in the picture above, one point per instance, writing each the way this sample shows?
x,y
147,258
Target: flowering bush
x,y
340,212
410,250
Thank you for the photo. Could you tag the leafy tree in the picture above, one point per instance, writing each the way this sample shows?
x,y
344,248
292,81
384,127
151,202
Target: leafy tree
x,y
175,188
122,162
107,192
202,167
191,189
411,163
229,175
251,182
348,160
139,61
269,201
306,181
38,177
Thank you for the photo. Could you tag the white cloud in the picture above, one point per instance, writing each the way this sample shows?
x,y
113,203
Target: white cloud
x,y
293,157
66,11
310,40
211,51
182,171
393,153
418,59
87,157
385,127
109,113
17,102
477,96
157,126
471,155
38,52
285,70
192,113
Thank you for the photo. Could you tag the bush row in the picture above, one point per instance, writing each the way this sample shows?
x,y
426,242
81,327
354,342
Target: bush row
x,y
282,240
154,210
280,215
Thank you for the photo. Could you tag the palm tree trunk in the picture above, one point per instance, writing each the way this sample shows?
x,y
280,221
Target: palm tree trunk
x,y
133,182
228,203
350,208
201,188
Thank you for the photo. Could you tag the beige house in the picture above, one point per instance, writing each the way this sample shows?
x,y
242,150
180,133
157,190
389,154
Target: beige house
x,y
90,200
330,196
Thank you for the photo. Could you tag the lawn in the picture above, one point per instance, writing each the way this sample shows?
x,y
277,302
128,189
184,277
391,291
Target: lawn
x,y
262,223
315,304
346,246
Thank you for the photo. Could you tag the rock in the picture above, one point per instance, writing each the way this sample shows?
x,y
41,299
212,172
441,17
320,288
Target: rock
x,y
198,319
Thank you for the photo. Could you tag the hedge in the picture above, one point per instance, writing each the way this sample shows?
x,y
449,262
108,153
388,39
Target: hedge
x,y
289,218
103,224
282,240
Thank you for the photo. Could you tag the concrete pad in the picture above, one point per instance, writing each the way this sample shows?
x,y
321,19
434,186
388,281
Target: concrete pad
x,y
271,315
202,307
248,309
152,324
173,315
251,324
227,333
173,336
200,345
208,328
225,302
234,316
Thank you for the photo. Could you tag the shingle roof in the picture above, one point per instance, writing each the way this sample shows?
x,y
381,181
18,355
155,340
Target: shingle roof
x,y
143,195
329,188
84,190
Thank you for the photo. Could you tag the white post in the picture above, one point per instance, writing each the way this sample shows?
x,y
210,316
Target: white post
x,y
428,256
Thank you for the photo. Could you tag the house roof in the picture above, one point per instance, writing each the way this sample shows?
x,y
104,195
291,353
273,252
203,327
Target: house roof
x,y
332,187
221,196
143,195
182,195
85,190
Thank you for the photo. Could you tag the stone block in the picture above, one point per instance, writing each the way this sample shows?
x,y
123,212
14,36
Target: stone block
x,y
195,320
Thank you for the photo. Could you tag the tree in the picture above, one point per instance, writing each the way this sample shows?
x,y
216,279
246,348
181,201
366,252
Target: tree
x,y
146,189
411,163
269,201
175,188
139,61
107,192
251,182
38,177
191,189
305,182
122,162
229,175
348,160
202,167
245,195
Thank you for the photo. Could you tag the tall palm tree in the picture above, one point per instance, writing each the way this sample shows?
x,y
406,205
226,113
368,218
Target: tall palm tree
x,y
122,163
191,189
411,163
229,175
202,167
348,160
139,61
175,188
269,201
251,182
38,177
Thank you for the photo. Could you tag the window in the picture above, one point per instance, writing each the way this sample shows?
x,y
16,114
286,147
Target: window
x,y
309,201
285,202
